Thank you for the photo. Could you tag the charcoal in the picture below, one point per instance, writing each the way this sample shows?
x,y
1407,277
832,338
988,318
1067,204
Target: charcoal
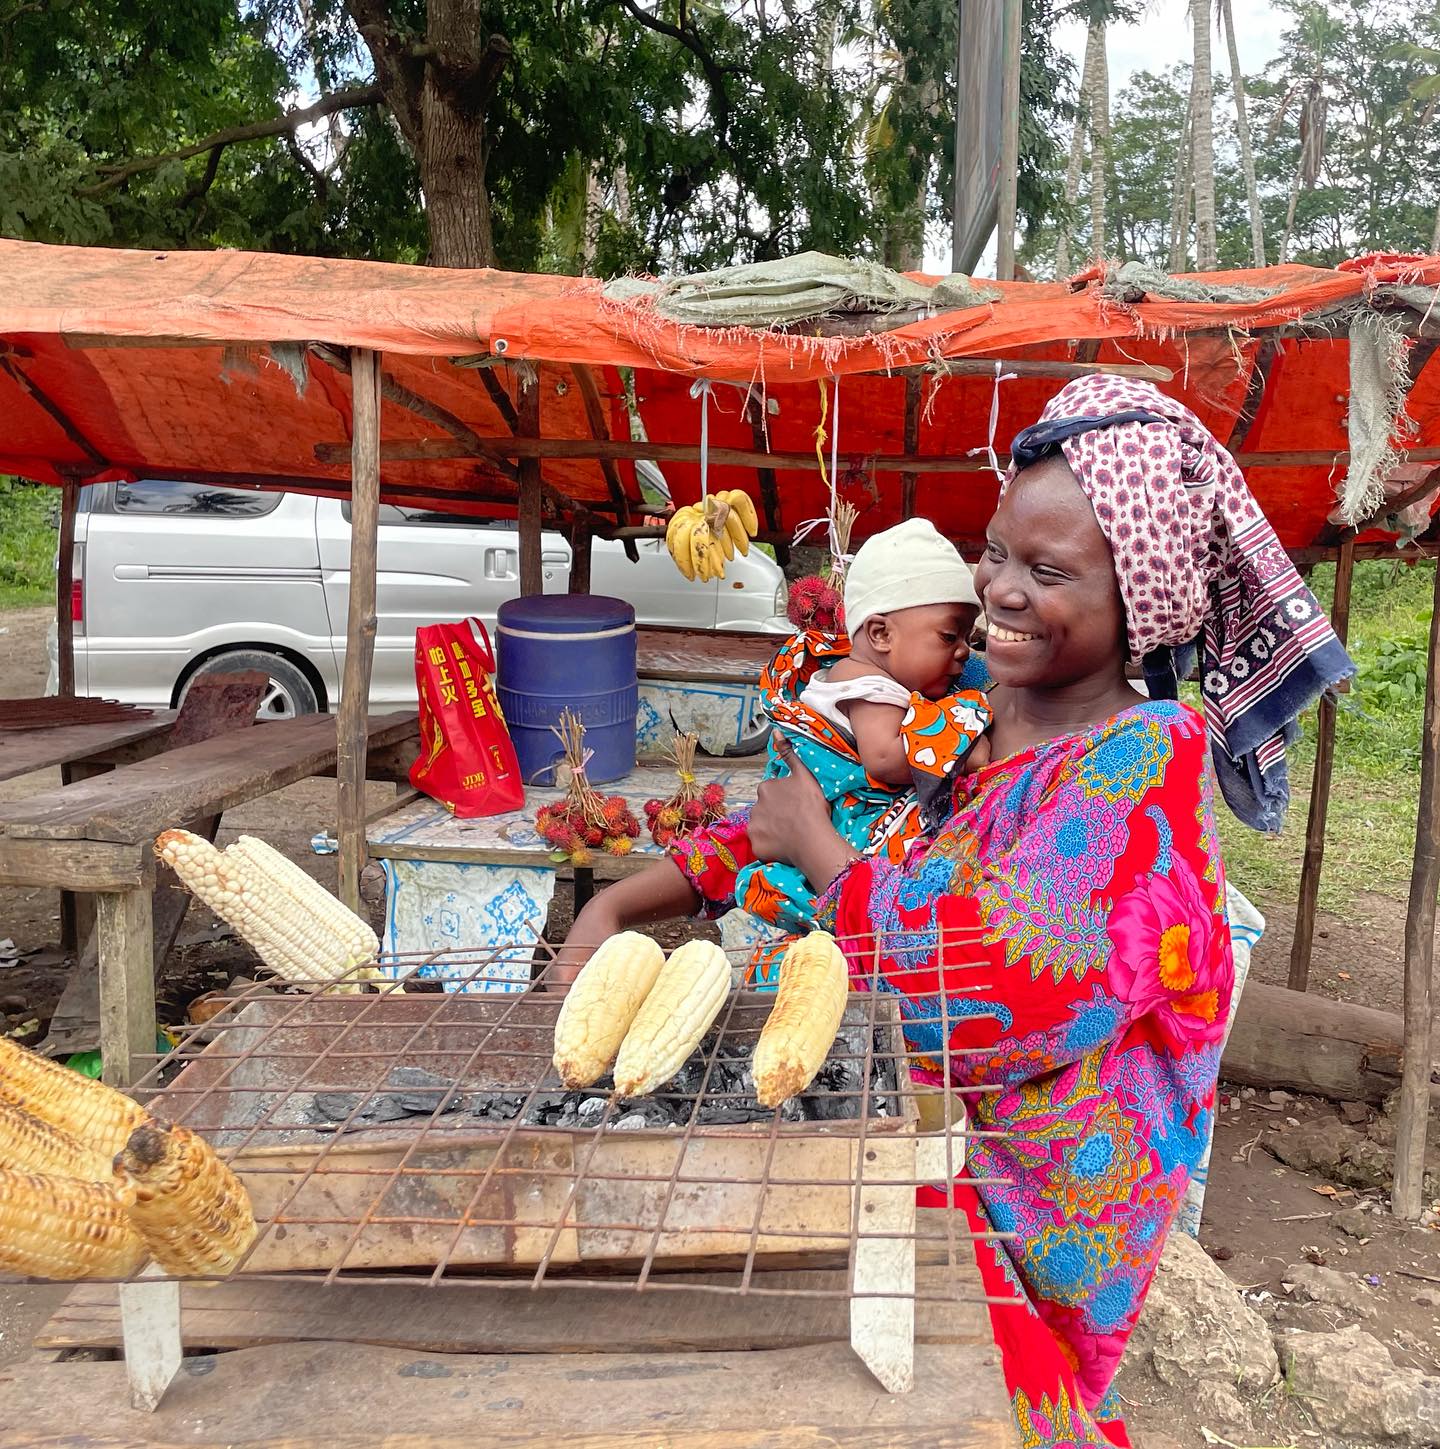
x,y
332,1106
721,1116
791,1110
630,1122
422,1093
825,1107
591,1110
388,1108
544,1109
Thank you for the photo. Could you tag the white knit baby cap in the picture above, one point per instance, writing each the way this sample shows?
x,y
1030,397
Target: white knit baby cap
x,y
902,568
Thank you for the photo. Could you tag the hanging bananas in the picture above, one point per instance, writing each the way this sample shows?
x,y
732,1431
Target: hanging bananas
x,y
703,537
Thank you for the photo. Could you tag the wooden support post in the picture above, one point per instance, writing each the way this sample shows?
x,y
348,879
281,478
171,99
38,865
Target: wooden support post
x,y
1420,951
64,591
352,725
127,984
530,518
1320,787
769,489
1009,145
581,540
913,385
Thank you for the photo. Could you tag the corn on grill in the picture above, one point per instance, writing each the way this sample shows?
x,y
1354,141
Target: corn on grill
x,y
416,1132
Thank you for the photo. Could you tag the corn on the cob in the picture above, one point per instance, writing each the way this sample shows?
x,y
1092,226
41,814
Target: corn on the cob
x,y
302,933
97,1116
601,1004
809,1005
686,997
58,1227
191,1211
30,1144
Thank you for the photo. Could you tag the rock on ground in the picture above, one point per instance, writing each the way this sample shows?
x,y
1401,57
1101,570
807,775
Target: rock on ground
x,y
1352,1388
1312,1284
1196,1328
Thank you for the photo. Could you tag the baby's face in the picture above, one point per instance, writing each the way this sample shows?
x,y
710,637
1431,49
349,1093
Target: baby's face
x,y
928,646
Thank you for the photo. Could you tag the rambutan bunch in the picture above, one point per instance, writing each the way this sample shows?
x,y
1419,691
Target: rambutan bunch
x,y
815,603
585,820
692,805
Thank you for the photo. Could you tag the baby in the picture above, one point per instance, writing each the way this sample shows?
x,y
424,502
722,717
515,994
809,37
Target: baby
x,y
876,718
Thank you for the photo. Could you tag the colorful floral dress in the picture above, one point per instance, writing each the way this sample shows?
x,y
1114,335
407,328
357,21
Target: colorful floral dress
x,y
1071,915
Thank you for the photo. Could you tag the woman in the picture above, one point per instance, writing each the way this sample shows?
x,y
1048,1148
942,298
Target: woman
x,y
1079,869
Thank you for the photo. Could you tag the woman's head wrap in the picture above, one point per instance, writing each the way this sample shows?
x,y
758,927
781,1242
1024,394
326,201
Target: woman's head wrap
x,y
1198,567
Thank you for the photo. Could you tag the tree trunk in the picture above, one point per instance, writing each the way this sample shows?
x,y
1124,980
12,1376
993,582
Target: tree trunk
x,y
1290,213
1180,205
452,178
439,99
1242,125
1099,145
1203,140
1435,235
1077,153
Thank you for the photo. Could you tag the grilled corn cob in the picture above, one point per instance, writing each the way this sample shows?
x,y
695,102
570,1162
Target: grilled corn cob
x,y
58,1227
686,997
191,1211
301,932
96,1116
802,1024
30,1144
601,1004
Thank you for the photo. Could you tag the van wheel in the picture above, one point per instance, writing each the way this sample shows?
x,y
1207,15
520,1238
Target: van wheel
x,y
287,691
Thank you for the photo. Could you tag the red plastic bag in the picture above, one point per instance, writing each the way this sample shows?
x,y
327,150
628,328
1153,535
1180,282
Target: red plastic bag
x,y
467,759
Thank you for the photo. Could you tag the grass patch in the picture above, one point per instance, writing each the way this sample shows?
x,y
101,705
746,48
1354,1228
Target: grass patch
x,y
27,543
1370,831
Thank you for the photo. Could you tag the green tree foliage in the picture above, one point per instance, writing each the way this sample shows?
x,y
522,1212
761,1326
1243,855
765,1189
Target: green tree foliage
x,y
558,133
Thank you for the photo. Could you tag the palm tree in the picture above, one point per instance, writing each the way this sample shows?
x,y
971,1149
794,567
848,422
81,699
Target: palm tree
x,y
1094,47
1202,139
1425,92
1242,125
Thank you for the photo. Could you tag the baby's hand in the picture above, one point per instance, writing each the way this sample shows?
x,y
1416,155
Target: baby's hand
x,y
978,757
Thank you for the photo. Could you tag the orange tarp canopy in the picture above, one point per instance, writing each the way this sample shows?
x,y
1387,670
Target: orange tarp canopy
x,y
231,367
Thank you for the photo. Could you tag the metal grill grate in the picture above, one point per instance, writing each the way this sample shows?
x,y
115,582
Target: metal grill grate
x,y
425,1133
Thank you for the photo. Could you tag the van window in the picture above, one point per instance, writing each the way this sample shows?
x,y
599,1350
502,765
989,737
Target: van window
x,y
393,513
153,495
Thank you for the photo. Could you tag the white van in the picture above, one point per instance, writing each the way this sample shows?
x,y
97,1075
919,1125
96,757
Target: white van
x,y
175,579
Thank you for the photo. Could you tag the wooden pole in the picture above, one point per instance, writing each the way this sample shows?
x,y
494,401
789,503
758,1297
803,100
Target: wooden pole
x,y
1420,950
353,723
1009,145
64,591
1304,941
530,518
908,481
581,540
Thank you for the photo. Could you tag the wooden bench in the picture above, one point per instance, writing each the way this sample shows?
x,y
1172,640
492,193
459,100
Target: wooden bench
x,y
96,836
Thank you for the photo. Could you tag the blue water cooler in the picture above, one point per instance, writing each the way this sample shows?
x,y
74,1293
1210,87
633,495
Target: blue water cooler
x,y
568,651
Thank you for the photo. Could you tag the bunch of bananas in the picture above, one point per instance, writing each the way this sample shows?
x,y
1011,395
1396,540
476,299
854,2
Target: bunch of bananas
x,y
703,536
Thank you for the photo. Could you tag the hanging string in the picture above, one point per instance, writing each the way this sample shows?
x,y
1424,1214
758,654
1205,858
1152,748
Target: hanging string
x,y
830,476
701,388
991,456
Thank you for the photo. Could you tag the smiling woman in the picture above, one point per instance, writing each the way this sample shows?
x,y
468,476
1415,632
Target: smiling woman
x,y
1080,867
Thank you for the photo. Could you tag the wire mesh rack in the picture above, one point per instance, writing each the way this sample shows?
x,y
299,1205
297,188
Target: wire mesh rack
x,y
415,1128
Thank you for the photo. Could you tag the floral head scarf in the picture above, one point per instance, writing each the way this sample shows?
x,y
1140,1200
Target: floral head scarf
x,y
1198,567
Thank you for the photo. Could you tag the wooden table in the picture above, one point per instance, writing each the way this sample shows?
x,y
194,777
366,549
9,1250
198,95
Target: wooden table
x,y
453,883
572,1368
97,835
116,742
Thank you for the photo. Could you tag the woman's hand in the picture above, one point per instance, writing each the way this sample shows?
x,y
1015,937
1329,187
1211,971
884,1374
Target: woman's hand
x,y
790,822
660,892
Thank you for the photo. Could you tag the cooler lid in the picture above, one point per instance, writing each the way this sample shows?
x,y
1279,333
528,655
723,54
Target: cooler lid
x,y
564,614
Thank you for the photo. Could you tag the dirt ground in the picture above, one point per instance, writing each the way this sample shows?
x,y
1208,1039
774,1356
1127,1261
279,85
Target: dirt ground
x,y
1261,1216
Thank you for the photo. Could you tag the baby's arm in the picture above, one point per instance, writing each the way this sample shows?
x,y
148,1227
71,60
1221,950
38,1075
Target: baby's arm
x,y
878,740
